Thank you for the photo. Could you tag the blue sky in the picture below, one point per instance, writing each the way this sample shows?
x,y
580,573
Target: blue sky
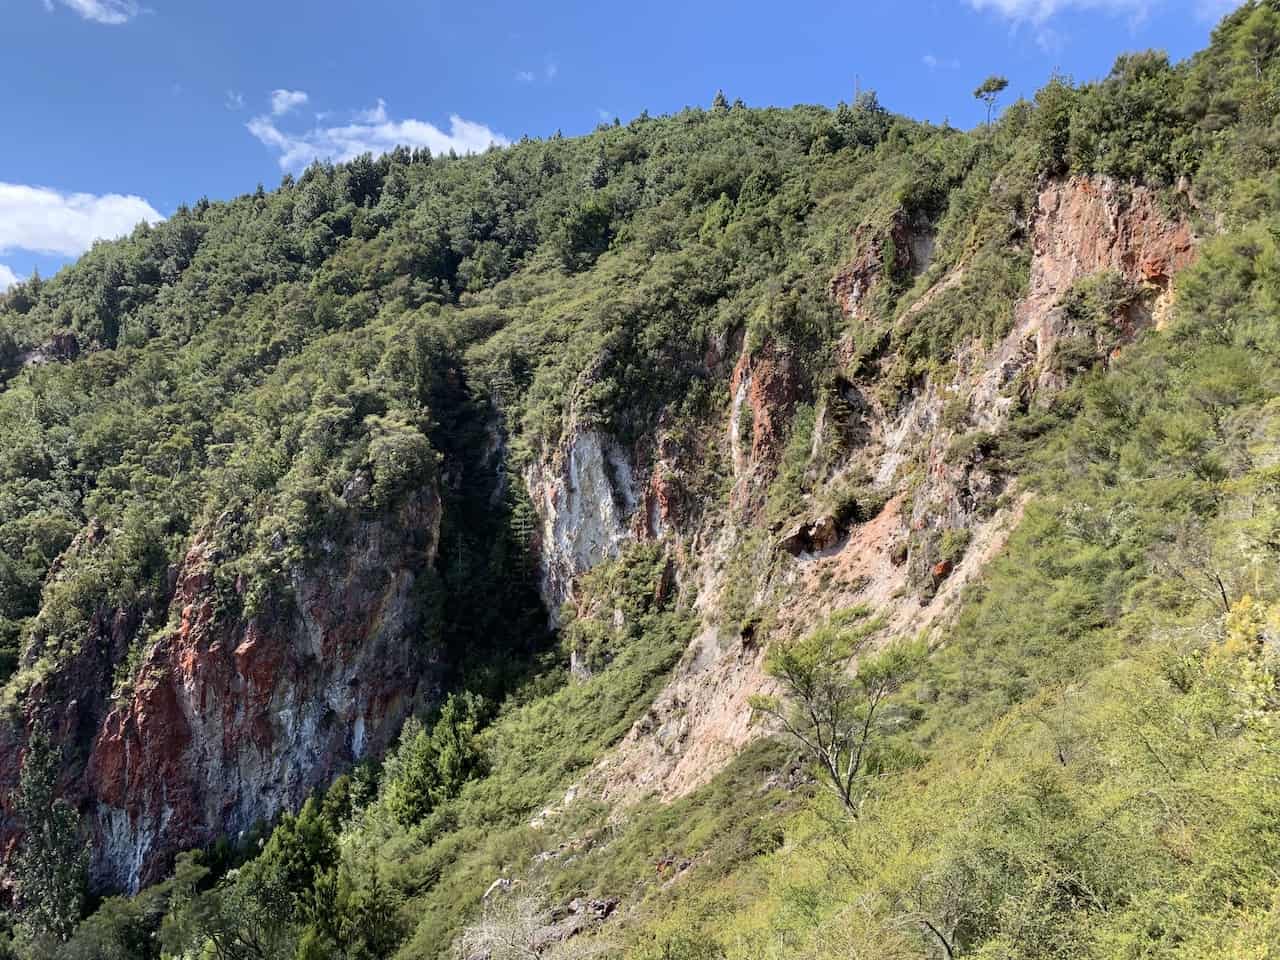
x,y
117,110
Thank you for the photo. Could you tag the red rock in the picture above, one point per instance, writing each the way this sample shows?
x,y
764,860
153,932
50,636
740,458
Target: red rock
x,y
229,721
769,385
912,246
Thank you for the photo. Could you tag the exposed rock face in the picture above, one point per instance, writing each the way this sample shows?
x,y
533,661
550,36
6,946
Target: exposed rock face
x,y
763,391
585,496
906,248
1082,227
231,722
698,723
61,348
228,722
811,536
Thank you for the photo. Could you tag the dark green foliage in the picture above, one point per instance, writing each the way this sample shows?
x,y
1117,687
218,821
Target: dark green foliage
x,y
1210,118
430,767
865,123
301,847
585,234
49,868
121,928
639,587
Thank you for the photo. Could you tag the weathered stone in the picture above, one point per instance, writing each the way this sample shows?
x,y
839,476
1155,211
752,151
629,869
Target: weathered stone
x,y
911,244
584,495
811,536
229,721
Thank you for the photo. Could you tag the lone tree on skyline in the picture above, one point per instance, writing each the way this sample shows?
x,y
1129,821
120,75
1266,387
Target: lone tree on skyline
x,y
989,91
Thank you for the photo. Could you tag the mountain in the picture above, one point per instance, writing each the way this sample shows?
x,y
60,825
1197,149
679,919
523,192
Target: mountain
x,y
747,532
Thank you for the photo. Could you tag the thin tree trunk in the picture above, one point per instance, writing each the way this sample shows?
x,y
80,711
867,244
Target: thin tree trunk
x,y
941,939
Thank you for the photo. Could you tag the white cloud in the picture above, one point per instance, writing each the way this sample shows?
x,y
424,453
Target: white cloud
x,y
113,12
1037,14
937,63
282,101
1040,11
7,278
550,69
46,221
235,100
372,131
376,114
1214,10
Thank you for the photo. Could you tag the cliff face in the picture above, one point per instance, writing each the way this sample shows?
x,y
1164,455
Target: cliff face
x,y
1079,228
585,496
229,721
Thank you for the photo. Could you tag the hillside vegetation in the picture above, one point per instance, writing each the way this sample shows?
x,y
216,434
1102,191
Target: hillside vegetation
x,y
1085,764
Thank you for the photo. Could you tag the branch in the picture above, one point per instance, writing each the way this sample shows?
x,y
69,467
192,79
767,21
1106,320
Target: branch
x,y
941,939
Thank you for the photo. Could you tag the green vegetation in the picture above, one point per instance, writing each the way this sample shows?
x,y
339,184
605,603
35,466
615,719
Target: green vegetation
x,y
989,92
1083,766
830,710
51,862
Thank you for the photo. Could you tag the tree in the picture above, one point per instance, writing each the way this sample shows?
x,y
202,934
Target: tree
x,y
1259,38
245,916
520,925
864,123
430,767
52,863
352,920
829,710
721,103
122,928
300,849
989,91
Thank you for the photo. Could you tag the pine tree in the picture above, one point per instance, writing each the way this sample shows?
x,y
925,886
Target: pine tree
x,y
989,91
1259,38
51,866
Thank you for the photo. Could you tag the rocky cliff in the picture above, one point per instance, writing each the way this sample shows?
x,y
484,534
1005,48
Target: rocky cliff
x,y
584,495
230,719
939,509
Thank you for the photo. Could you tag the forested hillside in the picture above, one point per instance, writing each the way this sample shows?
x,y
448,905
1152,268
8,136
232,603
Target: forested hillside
x,y
740,533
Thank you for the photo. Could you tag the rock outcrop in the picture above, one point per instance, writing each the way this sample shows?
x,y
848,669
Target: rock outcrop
x,y
61,348
763,392
1083,227
228,720
585,496
904,249
892,562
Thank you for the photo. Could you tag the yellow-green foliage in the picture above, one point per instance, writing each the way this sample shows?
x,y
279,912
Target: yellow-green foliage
x,y
1100,724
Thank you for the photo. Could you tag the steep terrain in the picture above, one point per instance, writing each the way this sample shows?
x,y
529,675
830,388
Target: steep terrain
x,y
394,563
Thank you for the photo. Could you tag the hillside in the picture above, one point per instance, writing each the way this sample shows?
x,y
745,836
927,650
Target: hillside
x,y
424,558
